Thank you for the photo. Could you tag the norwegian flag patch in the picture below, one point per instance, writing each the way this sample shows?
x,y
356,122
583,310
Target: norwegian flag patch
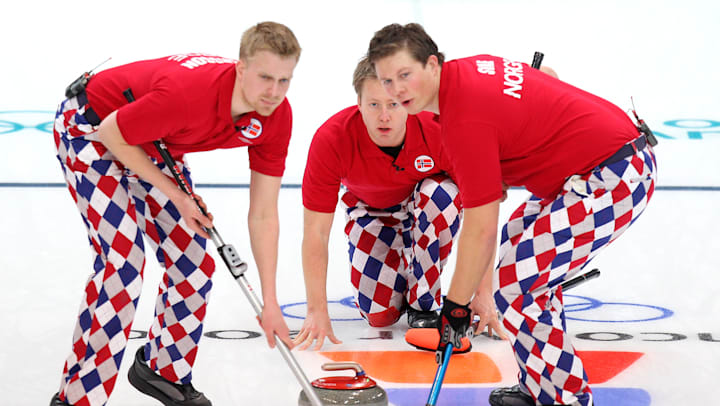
x,y
424,163
252,130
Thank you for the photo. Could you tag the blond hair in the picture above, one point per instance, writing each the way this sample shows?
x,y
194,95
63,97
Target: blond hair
x,y
269,36
364,71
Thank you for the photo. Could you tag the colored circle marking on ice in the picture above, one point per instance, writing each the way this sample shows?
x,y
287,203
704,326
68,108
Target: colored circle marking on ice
x,y
469,368
420,366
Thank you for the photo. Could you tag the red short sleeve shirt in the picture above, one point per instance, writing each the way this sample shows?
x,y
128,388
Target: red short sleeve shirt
x,y
342,152
504,121
185,100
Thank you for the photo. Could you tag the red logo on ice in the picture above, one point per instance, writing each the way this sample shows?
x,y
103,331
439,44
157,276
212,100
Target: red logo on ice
x,y
424,163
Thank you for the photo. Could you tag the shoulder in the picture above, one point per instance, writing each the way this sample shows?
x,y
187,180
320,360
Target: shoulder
x,y
343,124
283,111
280,118
427,119
424,124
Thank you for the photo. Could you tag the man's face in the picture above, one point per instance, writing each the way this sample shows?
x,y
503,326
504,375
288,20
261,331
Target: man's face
x,y
264,80
383,116
407,81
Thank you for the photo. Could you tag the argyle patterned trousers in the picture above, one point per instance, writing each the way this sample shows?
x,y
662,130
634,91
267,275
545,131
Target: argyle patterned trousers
x,y
119,210
397,254
546,242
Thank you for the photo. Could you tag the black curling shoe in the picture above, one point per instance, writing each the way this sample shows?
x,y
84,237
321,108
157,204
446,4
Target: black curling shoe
x,y
422,319
513,396
168,393
55,401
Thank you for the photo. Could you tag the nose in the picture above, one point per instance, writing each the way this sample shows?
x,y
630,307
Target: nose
x,y
384,114
398,91
275,90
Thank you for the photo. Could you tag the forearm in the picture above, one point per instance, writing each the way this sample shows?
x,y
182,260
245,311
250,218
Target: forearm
x,y
316,236
485,286
264,231
315,263
263,224
475,253
473,263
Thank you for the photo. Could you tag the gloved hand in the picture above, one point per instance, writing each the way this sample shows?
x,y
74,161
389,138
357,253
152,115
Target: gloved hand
x,y
454,324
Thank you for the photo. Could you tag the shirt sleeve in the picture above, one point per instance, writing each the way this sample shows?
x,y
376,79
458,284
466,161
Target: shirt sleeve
x,y
157,114
323,173
473,149
269,157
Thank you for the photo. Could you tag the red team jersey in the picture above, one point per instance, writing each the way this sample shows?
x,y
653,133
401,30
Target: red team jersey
x,y
504,121
343,152
185,100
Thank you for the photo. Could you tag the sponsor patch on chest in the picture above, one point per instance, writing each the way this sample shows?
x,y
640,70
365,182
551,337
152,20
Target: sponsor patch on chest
x,y
424,163
252,130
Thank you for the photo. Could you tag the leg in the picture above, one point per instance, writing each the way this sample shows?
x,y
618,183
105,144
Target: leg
x,y
547,242
182,300
96,183
378,266
436,209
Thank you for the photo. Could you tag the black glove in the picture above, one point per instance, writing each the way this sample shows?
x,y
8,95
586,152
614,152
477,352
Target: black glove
x,y
454,324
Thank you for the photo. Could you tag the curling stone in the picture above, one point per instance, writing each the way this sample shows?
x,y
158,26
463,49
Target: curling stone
x,y
346,390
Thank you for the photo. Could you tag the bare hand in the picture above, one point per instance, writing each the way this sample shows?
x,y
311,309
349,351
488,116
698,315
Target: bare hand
x,y
483,306
273,324
194,218
316,327
202,204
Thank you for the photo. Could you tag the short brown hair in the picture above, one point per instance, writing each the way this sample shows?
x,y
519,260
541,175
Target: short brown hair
x,y
395,37
363,72
269,36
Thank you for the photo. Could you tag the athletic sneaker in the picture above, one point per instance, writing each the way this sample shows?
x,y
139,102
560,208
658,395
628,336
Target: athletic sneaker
x,y
422,319
169,393
55,401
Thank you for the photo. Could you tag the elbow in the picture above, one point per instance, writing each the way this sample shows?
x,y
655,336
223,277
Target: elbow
x,y
549,71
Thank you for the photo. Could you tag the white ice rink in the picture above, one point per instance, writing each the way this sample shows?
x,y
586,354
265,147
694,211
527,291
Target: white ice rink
x,y
649,325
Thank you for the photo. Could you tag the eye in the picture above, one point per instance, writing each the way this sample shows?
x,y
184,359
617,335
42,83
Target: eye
x,y
394,105
386,82
373,104
405,75
284,81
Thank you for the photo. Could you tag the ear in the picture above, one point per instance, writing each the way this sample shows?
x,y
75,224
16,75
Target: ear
x,y
240,67
433,62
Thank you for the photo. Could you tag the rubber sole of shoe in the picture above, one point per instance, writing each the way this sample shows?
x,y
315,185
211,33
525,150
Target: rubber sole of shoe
x,y
148,389
55,401
140,376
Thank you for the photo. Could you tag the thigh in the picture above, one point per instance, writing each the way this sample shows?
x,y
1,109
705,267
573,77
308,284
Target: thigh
x,y
169,235
437,212
377,241
559,237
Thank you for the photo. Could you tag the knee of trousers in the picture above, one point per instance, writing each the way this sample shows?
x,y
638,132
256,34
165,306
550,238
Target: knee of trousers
x,y
384,318
438,181
507,294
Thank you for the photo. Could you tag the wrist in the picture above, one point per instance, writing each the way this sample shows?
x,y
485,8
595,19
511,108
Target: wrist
x,y
317,306
451,304
457,315
270,300
456,300
174,193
